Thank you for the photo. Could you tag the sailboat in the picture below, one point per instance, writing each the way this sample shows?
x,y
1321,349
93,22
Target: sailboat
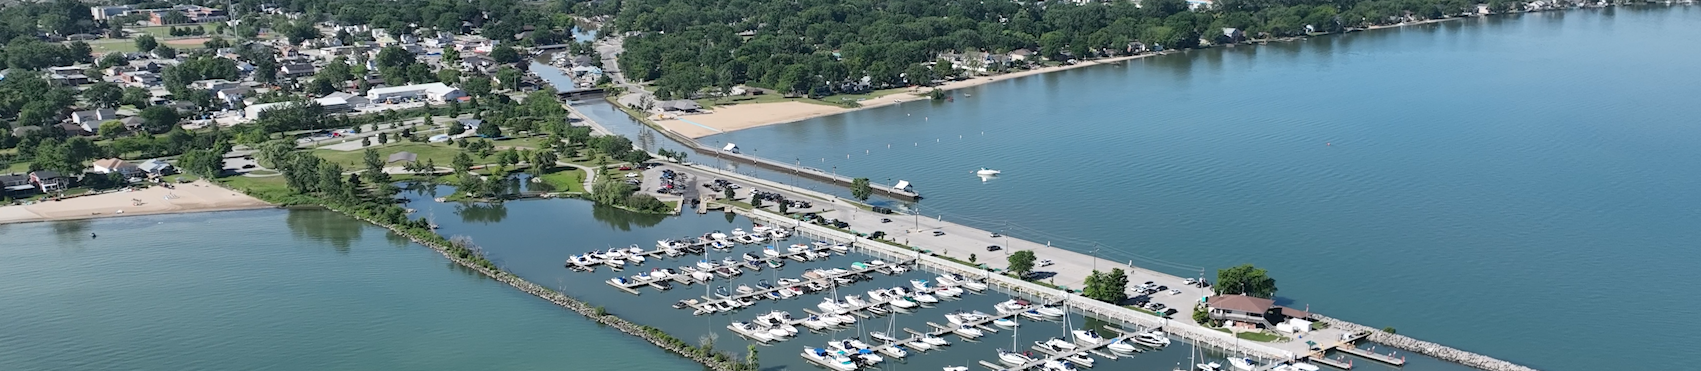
x,y
1011,357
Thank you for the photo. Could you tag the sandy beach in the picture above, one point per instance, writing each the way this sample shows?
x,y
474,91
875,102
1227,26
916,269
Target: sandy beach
x,y
744,116
193,197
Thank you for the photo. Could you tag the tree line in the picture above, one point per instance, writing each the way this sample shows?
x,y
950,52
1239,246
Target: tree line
x,y
814,46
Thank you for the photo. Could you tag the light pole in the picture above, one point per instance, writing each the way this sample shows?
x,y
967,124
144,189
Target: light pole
x,y
794,174
1095,255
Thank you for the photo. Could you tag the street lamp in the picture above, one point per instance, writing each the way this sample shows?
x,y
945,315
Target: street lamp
x,y
1095,254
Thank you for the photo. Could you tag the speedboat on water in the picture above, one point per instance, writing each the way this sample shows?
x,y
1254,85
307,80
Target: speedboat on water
x,y
1080,358
1212,366
1154,338
722,292
1052,312
935,340
1006,322
921,284
951,291
1058,365
771,251
986,171
1120,346
1059,344
968,332
1243,363
832,361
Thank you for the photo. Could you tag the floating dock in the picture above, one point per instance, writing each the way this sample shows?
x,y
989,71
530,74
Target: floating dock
x,y
1372,355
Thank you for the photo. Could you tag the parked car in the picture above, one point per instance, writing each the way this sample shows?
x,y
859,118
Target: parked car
x,y
1175,292
938,233
1045,262
993,248
885,220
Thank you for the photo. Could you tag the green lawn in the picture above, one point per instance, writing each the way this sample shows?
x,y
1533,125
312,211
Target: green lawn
x,y
1258,336
440,153
566,180
271,189
19,167
104,46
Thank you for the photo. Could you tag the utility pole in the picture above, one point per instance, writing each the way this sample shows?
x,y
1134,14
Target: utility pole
x,y
1095,255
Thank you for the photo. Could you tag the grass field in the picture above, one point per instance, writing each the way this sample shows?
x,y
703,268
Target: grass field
x,y
19,167
836,100
104,46
165,31
270,189
566,180
439,153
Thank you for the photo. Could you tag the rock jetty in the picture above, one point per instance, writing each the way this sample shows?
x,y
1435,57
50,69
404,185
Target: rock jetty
x,y
1438,351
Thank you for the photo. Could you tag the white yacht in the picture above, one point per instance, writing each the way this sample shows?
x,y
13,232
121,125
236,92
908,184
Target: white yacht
x,y
1243,363
1088,337
832,361
1120,346
935,341
968,332
1006,322
986,171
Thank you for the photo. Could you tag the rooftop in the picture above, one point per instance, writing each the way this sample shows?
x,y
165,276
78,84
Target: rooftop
x,y
1241,303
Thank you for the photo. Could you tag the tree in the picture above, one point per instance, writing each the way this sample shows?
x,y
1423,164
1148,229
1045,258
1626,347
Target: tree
x,y
216,43
111,129
751,359
1107,287
112,59
366,141
729,193
370,158
509,77
756,202
783,206
159,119
166,52
205,163
462,163
383,138
505,55
455,128
477,86
104,94
1022,263
450,55
136,96
489,130
1245,280
146,43
861,189
449,76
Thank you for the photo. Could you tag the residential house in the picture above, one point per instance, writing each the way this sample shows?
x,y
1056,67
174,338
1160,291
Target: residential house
x,y
90,120
75,129
67,76
1232,35
113,165
470,124
1020,54
145,65
25,130
473,63
296,70
1255,311
213,85
11,183
49,181
156,167
679,105
132,123
233,95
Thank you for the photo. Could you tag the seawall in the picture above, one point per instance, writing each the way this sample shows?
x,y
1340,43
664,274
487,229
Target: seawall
x,y
1438,351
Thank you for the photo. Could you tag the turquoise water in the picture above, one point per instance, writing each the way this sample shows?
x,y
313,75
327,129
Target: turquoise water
x,y
1517,186
274,290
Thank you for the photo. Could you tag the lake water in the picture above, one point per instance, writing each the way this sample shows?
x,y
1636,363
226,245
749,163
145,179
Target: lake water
x,y
275,290
1517,186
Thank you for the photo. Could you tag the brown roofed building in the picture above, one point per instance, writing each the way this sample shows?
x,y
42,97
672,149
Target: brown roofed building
x,y
1254,310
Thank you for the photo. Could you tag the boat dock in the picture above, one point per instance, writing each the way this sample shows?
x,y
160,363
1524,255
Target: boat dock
x,y
759,294
1372,355
682,277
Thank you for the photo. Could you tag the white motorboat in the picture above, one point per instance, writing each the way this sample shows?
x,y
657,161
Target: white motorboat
x,y
1120,346
738,232
778,333
951,291
956,368
882,336
895,351
846,319
1059,344
902,303
918,345
1243,363
636,259
814,323
968,332
972,285
705,264
1088,337
745,289
1302,366
758,238
613,254
771,251
855,301
935,341
1154,338
719,244
839,248
829,320
1081,358
945,280
702,276
828,305
1211,366
1011,306
1057,365
615,263
779,233
797,248
619,281
898,269
1013,358
1006,322
718,236
634,250
1050,312
832,361
986,171
750,331
955,318
924,298
921,285
788,281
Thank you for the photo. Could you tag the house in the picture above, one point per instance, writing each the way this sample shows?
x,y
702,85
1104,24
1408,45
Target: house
x,y
1020,54
232,95
213,84
113,165
1233,35
25,130
132,123
434,92
473,63
90,120
1256,311
75,129
1199,4
470,124
10,183
49,181
156,167
679,105
68,78
140,79
296,70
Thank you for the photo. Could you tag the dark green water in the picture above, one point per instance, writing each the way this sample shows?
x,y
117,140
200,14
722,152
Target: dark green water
x,y
274,290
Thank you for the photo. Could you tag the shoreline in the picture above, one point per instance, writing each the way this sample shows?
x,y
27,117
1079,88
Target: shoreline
x,y
199,196
730,118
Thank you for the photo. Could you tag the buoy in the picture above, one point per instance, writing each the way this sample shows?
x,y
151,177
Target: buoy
x,y
1328,144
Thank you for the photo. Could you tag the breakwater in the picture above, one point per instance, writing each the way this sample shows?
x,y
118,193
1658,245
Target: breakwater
x,y
1431,349
703,355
